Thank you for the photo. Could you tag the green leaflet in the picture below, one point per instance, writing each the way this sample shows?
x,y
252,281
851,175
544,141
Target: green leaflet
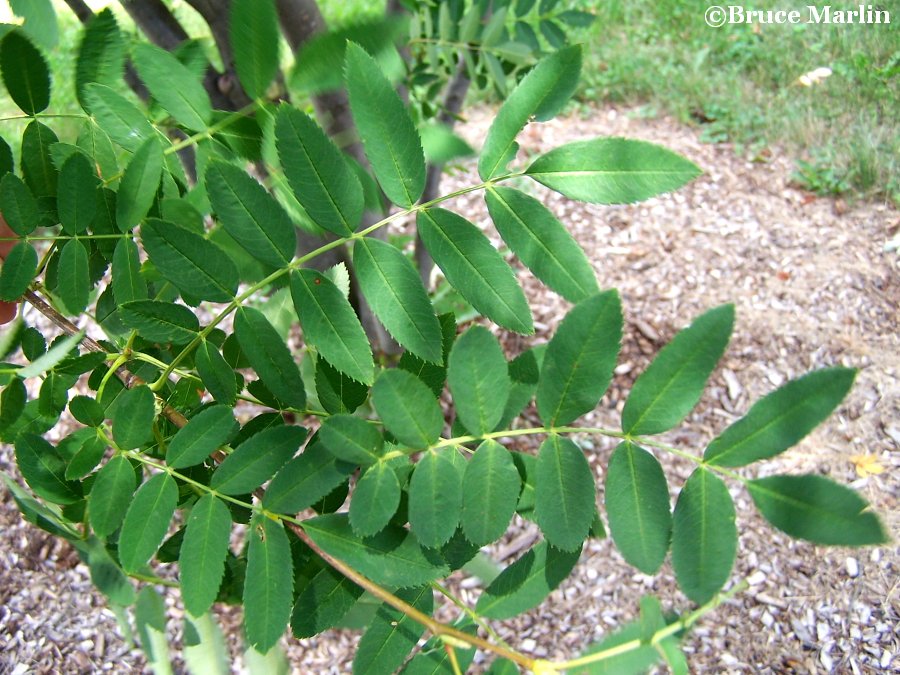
x,y
541,94
475,268
435,496
395,293
526,582
305,480
269,583
541,242
704,536
18,206
127,282
256,460
94,142
77,197
478,376
202,557
74,286
139,184
44,469
490,492
564,493
651,622
59,350
193,264
324,601
637,503
173,86
25,73
87,458
816,509
612,170
330,325
215,373
432,374
253,29
12,403
634,662
250,214
580,359
117,116
389,136
392,634
375,500
674,381
433,658
319,175
407,408
37,165
147,521
336,392
19,269
150,622
393,557
205,433
7,164
351,439
133,417
40,21
87,411
158,321
269,356
781,419
101,55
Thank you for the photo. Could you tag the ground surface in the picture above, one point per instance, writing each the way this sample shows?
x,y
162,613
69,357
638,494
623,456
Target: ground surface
x,y
812,288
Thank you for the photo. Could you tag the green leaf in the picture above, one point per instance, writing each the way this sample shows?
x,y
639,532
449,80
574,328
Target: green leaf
x,y
101,55
394,291
440,144
202,557
127,282
564,493
205,433
478,376
323,603
524,584
305,480
407,408
117,116
204,649
150,621
541,94
12,403
25,73
94,142
330,324
781,419
57,352
257,459
814,508
74,277
673,383
147,521
19,269
434,657
490,490
637,503
193,264
351,439
375,500
392,634
269,356
580,359
253,30
435,497
133,417
475,268
87,411
250,214
87,458
44,469
336,392
173,86
18,206
38,170
612,170
633,662
40,21
320,177
704,537
77,197
159,321
432,374
393,557
215,373
542,243
139,184
389,136
269,583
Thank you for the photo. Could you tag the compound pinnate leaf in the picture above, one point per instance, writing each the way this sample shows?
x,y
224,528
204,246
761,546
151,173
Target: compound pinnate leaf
x,y
305,480
375,500
564,493
76,200
257,459
323,603
435,497
202,556
159,321
18,271
408,408
44,469
25,73
127,282
110,495
674,381
74,286
215,373
392,635
117,116
814,508
269,356
351,439
204,433
18,205
255,39
475,268
781,419
147,521
133,417
268,586
580,359
612,170
101,55
478,376
490,490
139,184
637,503
704,536
389,136
173,86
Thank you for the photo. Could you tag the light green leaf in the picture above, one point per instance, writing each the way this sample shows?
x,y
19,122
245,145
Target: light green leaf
x,y
173,85
475,268
255,38
25,73
490,490
392,634
814,508
204,433
44,469
435,497
18,206
439,142
147,521
781,419
133,417
269,583
375,500
305,480
612,170
704,537
478,376
101,55
40,21
77,197
59,351
633,662
74,285
674,381
323,603
541,242
257,459
139,184
637,503
407,408
580,359
150,621
205,651
127,282
110,495
215,373
351,439
564,493
18,271
202,557
269,356
117,116
159,321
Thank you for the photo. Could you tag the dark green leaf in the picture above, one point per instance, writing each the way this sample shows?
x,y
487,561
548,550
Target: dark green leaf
x,y
392,634
336,392
256,460
18,206
76,202
305,480
127,282
553,34
12,403
93,141
37,165
202,556
435,496
407,408
19,269
323,603
133,417
269,356
432,374
139,184
205,433
216,374
74,277
564,493
87,411
351,439
479,380
490,493
255,38
268,588
87,458
147,521
101,55
173,86
25,73
375,499
117,116
44,469
160,321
